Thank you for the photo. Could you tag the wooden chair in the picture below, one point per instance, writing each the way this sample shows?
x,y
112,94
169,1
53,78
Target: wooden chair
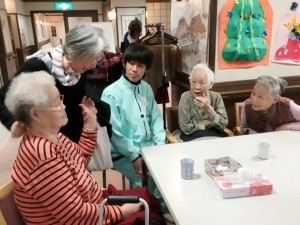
x,y
238,110
9,213
172,123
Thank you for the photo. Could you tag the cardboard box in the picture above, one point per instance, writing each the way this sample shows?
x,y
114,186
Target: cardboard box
x,y
250,188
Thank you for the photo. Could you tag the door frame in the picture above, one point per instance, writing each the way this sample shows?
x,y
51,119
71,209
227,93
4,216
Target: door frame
x,y
72,13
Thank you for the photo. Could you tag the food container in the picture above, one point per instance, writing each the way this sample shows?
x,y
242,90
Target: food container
x,y
216,167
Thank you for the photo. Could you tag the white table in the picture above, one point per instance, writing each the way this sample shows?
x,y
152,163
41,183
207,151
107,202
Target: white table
x,y
197,201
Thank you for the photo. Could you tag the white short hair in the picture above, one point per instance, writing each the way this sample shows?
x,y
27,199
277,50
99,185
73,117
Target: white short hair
x,y
208,72
26,91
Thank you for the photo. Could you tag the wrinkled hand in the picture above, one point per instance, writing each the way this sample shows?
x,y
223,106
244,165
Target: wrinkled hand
x,y
88,102
286,126
129,209
204,103
207,122
89,112
17,129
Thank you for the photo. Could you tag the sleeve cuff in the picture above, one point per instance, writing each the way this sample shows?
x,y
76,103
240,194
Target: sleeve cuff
x,y
136,159
134,156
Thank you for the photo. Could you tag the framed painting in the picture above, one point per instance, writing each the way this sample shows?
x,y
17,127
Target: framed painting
x,y
191,24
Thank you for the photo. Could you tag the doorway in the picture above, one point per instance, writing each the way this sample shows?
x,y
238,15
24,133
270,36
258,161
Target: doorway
x,y
50,27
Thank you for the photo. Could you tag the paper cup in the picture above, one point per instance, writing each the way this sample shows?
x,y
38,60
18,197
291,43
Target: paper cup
x,y
263,150
187,168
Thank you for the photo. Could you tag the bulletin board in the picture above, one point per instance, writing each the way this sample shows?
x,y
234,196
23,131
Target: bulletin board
x,y
280,8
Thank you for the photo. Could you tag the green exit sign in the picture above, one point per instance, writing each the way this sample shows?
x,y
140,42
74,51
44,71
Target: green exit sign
x,y
63,5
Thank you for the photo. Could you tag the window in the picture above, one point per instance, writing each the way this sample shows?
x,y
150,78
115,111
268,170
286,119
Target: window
x,y
53,31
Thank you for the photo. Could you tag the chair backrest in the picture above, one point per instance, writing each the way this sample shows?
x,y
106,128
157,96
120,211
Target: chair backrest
x,y
172,118
9,213
238,110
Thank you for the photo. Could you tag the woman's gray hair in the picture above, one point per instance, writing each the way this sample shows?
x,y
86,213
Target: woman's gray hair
x,y
84,41
26,91
99,30
276,85
208,72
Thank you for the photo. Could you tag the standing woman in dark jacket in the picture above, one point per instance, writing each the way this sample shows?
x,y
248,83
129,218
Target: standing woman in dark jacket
x,y
83,48
132,35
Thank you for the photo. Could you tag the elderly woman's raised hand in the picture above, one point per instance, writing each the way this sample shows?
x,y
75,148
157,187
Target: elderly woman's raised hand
x,y
89,112
204,103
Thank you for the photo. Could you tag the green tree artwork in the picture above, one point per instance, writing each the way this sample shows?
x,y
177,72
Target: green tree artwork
x,y
246,32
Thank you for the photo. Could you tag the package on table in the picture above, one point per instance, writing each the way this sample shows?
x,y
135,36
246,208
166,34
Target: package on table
x,y
242,189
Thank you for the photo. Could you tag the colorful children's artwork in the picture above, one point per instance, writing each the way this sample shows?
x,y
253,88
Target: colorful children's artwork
x,y
245,33
287,48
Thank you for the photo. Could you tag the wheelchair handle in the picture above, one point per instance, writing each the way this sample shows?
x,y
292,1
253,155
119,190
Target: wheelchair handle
x,y
116,199
124,199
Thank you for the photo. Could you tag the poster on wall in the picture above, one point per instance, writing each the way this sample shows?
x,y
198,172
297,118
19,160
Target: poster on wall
x,y
244,33
287,47
23,37
189,24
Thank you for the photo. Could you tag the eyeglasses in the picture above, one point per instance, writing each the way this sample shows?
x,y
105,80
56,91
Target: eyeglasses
x,y
57,107
95,61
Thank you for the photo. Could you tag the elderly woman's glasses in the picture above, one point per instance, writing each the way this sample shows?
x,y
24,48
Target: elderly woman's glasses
x,y
95,61
59,106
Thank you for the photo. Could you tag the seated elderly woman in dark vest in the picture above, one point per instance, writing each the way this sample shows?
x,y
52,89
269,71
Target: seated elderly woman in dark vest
x,y
266,110
52,184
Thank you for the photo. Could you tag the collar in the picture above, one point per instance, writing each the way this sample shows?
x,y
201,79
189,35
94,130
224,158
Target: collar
x,y
134,83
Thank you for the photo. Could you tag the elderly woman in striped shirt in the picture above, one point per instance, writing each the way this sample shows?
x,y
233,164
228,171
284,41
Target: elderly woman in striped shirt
x,y
52,184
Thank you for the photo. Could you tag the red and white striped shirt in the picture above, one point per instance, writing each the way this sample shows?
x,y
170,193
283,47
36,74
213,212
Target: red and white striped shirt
x,y
52,184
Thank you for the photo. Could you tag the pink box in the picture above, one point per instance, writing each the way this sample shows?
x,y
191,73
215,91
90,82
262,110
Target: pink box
x,y
250,188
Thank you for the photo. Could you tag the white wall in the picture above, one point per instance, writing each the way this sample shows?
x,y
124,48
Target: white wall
x,y
2,4
20,7
58,22
26,28
125,3
5,30
280,8
41,29
9,5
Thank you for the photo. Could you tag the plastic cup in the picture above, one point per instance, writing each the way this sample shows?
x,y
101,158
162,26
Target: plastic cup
x,y
187,168
263,150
